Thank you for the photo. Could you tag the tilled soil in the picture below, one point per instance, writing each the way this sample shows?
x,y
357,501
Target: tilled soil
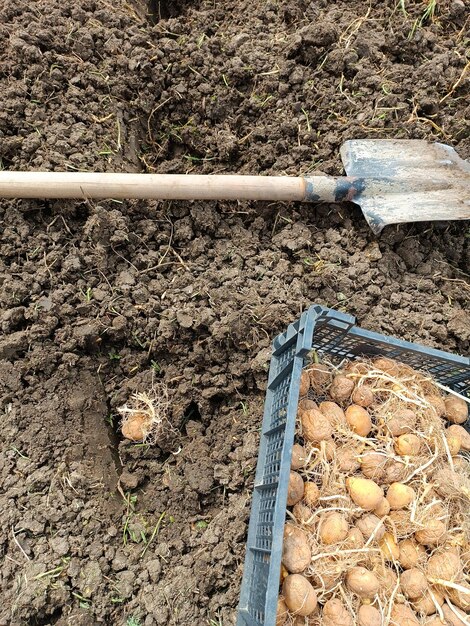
x,y
102,300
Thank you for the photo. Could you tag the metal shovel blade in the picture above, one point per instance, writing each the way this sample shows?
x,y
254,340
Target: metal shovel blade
x,y
407,181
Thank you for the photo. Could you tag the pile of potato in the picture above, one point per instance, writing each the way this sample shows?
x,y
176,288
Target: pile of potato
x,y
378,522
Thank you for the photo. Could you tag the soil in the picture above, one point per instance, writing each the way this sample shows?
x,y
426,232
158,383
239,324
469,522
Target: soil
x,y
103,300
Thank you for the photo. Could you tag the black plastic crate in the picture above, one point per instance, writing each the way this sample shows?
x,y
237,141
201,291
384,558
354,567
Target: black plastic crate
x,y
329,333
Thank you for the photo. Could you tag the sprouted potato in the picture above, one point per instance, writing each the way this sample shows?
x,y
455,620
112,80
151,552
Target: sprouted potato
x,y
378,525
145,417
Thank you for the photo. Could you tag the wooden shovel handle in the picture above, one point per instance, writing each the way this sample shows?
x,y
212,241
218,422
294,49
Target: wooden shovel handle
x,y
167,186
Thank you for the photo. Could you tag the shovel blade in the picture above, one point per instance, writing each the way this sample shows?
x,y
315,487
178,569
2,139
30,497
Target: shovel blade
x,y
408,181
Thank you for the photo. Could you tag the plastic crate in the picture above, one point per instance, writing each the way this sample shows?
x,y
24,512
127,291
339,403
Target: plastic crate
x,y
329,333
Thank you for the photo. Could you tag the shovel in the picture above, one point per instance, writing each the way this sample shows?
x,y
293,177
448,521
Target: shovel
x,y
393,181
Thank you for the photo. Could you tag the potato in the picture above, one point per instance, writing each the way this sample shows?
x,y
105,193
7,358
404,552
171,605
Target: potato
x,y
454,442
456,409
371,525
465,556
389,547
135,427
311,493
315,426
364,492
327,581
299,456
464,435
400,523
295,490
359,420
282,612
373,465
445,565
341,388
363,396
357,367
436,509
394,472
432,533
413,583
304,383
347,459
400,496
460,598
383,508
320,376
403,421
407,445
388,581
362,582
300,620
454,617
435,620
334,413
303,514
336,614
410,553
354,539
402,615
333,528
296,552
461,464
426,604
387,365
299,595
447,482
437,403
369,616
305,404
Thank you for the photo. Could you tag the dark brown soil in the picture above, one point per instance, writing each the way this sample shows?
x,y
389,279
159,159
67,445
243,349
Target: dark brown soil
x,y
101,300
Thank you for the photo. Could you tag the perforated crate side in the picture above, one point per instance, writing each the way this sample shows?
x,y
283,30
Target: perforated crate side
x,y
264,544
331,333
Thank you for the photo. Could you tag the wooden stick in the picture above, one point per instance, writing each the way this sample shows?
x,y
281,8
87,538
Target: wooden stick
x,y
164,186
